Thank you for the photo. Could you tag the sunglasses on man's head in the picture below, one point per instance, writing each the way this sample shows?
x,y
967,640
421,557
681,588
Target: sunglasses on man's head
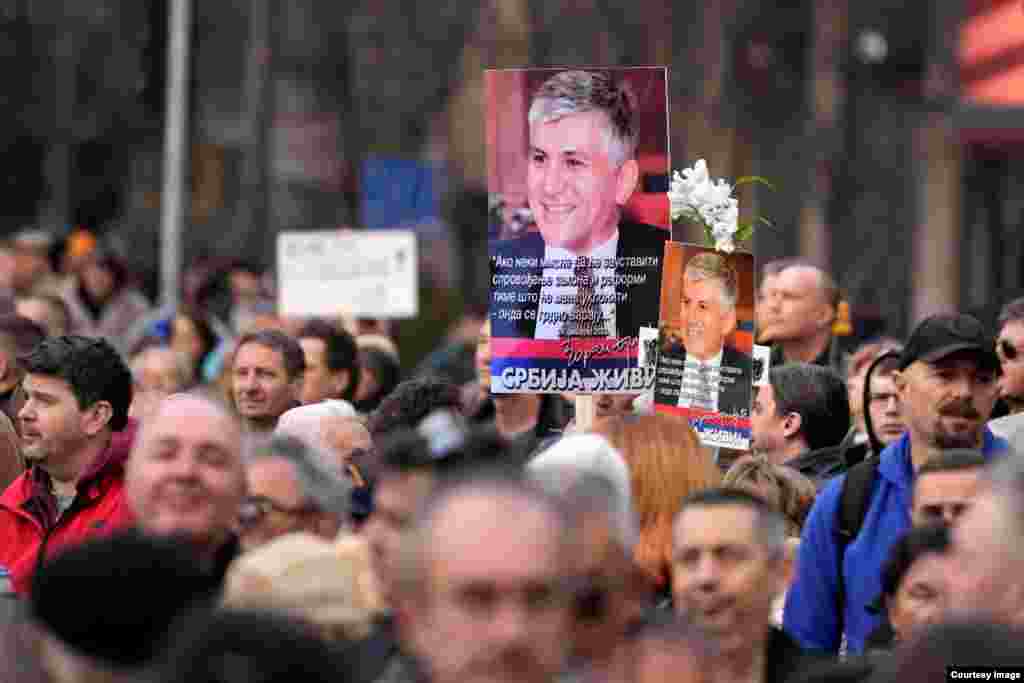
x,y
1008,350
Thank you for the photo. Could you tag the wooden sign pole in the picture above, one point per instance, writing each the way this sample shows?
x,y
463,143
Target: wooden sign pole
x,y
586,411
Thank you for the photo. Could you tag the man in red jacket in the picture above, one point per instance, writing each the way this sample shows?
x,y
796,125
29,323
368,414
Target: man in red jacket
x,y
77,392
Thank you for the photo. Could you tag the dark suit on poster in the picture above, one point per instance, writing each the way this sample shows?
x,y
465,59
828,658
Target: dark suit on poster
x,y
641,308
733,397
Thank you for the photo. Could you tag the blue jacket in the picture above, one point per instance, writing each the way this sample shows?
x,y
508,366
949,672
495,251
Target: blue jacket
x,y
810,615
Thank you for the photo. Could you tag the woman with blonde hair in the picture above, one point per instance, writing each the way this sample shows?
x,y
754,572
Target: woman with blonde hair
x,y
786,489
667,463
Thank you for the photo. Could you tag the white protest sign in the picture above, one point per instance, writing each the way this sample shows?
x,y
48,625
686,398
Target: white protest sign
x,y
333,272
762,363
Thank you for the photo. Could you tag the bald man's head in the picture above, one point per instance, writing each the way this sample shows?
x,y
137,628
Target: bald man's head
x,y
800,304
185,476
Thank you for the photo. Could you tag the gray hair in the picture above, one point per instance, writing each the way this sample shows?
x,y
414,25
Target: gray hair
x,y
589,474
1005,476
321,487
307,423
712,266
579,92
412,576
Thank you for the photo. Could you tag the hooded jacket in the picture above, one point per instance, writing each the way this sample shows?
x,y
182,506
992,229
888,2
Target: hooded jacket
x,y
31,528
811,615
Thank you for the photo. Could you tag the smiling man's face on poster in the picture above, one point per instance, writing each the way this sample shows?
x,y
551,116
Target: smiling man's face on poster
x,y
706,317
574,187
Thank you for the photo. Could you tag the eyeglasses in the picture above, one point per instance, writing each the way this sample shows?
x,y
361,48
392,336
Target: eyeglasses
x,y
1008,350
254,508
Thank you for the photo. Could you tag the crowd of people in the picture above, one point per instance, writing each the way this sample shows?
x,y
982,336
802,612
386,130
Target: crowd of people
x,y
220,493
242,497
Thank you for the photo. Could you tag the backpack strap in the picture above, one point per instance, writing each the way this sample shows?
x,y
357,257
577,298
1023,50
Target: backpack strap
x,y
854,500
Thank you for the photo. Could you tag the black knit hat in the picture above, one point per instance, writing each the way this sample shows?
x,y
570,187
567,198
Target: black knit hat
x,y
115,599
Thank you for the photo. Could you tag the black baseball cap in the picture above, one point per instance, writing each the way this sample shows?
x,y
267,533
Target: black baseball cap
x,y
941,335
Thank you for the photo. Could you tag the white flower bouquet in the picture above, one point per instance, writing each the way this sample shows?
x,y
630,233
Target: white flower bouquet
x,y
710,203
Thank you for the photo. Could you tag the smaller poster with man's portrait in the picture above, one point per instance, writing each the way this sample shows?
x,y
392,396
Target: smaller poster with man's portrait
x,y
705,342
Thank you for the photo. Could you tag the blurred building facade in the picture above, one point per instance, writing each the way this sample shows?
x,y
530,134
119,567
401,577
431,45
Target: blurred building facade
x,y
310,114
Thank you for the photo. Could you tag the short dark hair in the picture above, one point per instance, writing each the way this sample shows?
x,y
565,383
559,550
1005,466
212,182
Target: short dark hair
x,y
952,460
276,340
912,545
410,402
1012,312
340,350
770,525
91,367
444,448
930,655
818,395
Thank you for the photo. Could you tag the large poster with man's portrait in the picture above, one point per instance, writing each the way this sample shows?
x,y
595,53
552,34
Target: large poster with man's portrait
x,y
705,342
578,173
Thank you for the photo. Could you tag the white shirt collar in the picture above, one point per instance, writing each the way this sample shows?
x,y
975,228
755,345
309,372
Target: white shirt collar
x,y
715,362
605,250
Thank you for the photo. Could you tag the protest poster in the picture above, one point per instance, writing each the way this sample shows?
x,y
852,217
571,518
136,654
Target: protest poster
x,y
333,272
705,369
577,175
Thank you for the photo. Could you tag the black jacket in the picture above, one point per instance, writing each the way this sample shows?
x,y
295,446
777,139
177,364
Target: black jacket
x,y
785,660
820,465
640,309
832,357
377,658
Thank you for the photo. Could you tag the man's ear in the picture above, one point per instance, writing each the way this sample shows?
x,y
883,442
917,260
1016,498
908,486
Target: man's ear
x,y
96,417
792,550
900,378
828,314
629,176
729,323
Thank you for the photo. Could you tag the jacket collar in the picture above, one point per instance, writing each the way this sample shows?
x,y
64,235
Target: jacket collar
x,y
40,501
896,466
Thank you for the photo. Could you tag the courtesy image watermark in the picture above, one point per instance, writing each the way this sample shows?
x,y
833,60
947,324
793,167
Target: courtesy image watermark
x,y
981,673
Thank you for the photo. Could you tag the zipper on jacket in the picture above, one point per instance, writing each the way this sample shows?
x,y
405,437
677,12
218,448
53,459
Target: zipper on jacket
x,y
71,511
